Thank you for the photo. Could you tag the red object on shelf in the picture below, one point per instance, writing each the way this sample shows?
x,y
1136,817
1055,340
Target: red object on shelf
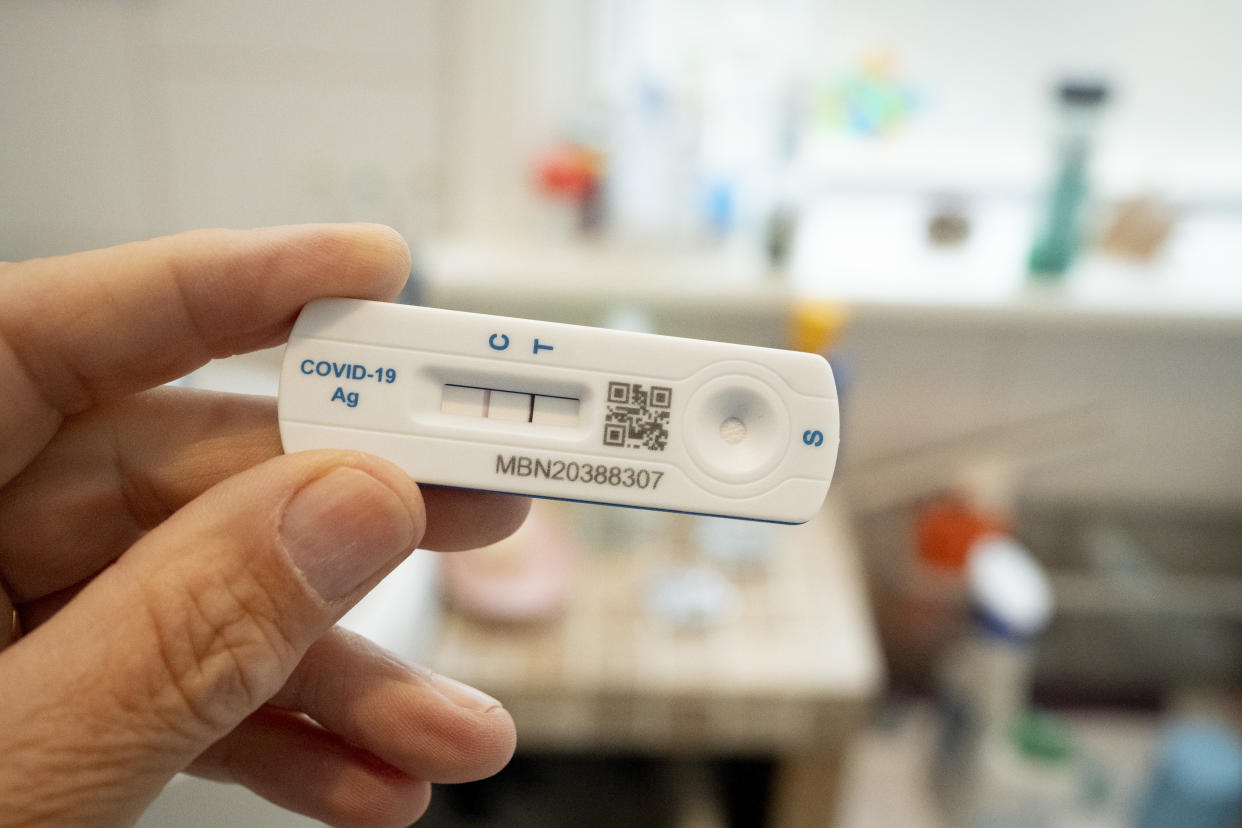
x,y
947,527
570,171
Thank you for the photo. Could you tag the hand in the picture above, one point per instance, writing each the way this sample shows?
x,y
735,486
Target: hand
x,y
177,579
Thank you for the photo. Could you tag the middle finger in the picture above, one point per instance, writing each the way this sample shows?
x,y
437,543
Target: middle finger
x,y
115,472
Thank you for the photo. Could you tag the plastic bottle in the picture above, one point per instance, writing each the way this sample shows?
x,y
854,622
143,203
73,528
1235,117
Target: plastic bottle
x,y
985,678
1061,234
1196,780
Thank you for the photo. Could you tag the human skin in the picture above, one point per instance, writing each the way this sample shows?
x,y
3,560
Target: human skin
x,y
175,578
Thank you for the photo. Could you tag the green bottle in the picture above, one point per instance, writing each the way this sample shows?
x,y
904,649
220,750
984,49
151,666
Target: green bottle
x,y
1060,236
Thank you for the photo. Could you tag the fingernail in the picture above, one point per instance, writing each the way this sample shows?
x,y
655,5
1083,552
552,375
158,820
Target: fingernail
x,y
463,695
342,528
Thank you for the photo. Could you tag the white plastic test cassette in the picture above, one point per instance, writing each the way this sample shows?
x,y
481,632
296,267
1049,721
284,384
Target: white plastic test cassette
x,y
561,411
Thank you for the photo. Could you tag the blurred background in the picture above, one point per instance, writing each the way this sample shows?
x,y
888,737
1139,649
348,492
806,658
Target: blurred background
x,y
1014,229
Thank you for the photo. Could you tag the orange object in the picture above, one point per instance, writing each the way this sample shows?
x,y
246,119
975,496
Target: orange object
x,y
947,527
571,171
815,326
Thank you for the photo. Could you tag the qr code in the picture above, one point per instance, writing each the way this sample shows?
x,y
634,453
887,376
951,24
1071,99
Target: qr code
x,y
637,416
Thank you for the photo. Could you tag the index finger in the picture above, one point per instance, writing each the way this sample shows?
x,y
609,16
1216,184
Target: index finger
x,y
79,329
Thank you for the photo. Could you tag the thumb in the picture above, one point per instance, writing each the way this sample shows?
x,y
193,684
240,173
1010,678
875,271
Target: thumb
x,y
191,630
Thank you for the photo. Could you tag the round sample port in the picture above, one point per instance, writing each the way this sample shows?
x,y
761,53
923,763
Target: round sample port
x,y
737,429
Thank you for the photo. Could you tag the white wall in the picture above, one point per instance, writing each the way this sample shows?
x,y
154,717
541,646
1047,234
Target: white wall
x,y
983,71
69,141
125,120
985,65
1115,414
120,120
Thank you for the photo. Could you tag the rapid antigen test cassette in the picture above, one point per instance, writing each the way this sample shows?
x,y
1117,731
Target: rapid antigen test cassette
x,y
562,411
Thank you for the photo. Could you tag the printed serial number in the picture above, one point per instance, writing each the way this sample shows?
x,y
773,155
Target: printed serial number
x,y
601,474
